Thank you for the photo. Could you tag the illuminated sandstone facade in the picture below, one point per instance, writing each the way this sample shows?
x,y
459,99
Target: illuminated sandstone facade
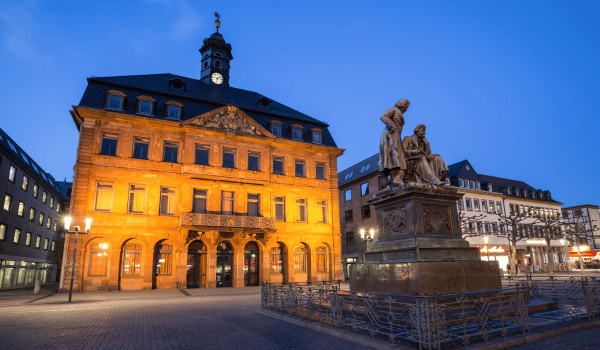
x,y
196,184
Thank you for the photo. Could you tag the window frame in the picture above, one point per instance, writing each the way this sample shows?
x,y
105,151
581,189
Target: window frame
x,y
112,193
36,190
17,235
254,154
253,200
168,106
200,147
136,251
197,193
322,165
28,237
171,145
168,196
140,140
228,150
279,202
25,183
131,198
301,206
314,133
279,127
300,162
282,158
324,210
348,195
366,211
9,204
107,139
140,100
349,216
225,199
3,230
12,173
364,191
98,251
119,94
321,259
300,129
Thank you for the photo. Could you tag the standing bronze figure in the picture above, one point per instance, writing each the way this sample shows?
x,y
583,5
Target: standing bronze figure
x,y
423,167
392,163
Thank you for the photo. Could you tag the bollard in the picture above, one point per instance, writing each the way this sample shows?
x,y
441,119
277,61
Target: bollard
x,y
38,285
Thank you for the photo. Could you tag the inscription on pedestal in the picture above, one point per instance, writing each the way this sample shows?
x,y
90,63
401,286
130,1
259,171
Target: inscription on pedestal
x,y
436,218
394,221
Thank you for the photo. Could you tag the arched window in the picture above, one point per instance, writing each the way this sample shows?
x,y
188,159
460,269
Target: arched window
x,y
300,260
145,107
164,261
132,259
217,64
218,54
98,259
115,101
321,259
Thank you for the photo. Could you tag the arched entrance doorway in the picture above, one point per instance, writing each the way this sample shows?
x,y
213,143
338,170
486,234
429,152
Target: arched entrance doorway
x,y
251,268
224,264
196,265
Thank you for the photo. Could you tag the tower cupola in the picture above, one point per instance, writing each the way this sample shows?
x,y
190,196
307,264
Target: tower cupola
x,y
216,55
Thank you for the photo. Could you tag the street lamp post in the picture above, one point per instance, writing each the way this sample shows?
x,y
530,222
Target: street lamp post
x,y
76,231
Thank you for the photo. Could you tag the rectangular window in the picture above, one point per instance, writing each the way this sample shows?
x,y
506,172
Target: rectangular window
x,y
276,260
366,211
174,112
321,259
348,195
53,248
145,107
349,217
48,222
300,168
170,152
44,197
484,205
228,158
36,190
486,226
322,205
7,202
492,207
46,241
31,214
276,129
137,199
132,260
468,204
140,147
460,204
494,228
165,258
479,227
472,184
28,239
299,260
55,228
253,204
296,133
17,236
109,144
476,204
364,188
21,209
57,206
199,205
460,182
41,219
254,161
349,238
226,203
301,210
51,202
2,232
279,208
114,101
98,259
104,196
512,209
202,152
25,183
167,200
278,165
12,173
320,171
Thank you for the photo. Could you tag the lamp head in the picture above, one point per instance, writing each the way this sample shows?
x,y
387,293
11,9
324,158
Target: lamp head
x,y
67,223
88,223
362,233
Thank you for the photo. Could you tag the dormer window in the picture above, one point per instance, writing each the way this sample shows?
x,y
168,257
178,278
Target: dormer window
x,y
276,129
217,64
516,191
174,110
115,100
296,133
177,84
489,186
525,193
508,190
145,105
317,136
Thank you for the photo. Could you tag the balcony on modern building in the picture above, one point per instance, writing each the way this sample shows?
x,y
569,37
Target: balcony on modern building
x,y
227,221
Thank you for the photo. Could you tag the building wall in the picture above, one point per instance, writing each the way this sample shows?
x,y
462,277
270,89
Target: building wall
x,y
117,227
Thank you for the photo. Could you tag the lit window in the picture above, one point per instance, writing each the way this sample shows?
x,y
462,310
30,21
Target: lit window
x,y
28,239
276,129
199,205
492,208
46,242
170,152
276,260
104,196
51,202
228,157
98,259
202,153
348,195
296,133
132,259
2,232
36,190
115,101
38,241
278,165
279,208
484,205
25,183
137,199
48,222
253,204
317,136
321,259
167,200
109,144
164,253
145,107
53,246
41,219
226,203
7,202
320,171
21,209
364,188
58,207
254,161
12,173
300,168
44,197
322,205
173,112
31,214
299,260
55,228
301,210
140,147
17,236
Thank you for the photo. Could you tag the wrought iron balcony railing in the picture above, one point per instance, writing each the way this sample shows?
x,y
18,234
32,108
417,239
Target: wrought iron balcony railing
x,y
233,221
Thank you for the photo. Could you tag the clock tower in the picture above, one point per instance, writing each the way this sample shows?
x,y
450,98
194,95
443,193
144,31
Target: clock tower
x,y
216,54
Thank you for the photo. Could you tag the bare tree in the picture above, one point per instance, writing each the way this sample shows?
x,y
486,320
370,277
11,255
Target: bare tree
x,y
468,224
550,228
577,230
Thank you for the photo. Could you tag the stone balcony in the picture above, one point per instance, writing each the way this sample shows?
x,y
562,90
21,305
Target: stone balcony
x,y
228,221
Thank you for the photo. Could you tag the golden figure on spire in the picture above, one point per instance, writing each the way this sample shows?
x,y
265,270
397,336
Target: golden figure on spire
x,y
217,22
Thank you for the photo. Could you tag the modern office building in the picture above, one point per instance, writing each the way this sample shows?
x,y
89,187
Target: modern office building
x,y
30,219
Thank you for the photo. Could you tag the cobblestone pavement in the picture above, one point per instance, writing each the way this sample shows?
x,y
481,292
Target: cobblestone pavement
x,y
582,340
158,319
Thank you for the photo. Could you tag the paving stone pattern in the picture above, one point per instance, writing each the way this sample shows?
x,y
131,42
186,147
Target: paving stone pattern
x,y
582,340
159,319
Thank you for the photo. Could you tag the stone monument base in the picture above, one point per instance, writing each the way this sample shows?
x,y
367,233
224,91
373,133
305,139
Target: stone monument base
x,y
410,278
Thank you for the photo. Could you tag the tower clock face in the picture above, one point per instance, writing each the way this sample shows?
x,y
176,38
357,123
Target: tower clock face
x,y
216,78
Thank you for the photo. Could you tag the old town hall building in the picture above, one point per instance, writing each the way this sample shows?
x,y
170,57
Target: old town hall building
x,y
193,183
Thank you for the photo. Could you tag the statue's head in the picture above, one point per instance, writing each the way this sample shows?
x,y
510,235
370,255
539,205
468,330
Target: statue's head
x,y
420,130
402,105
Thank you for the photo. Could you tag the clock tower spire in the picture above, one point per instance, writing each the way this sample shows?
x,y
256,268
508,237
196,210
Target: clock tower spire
x,y
216,55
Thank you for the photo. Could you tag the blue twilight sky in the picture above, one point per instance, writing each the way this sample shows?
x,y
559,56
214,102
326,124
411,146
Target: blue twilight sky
x,y
512,86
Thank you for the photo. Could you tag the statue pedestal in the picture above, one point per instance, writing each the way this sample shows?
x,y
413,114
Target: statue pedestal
x,y
419,246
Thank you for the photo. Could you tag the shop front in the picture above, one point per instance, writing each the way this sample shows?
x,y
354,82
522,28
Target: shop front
x,y
495,252
591,258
